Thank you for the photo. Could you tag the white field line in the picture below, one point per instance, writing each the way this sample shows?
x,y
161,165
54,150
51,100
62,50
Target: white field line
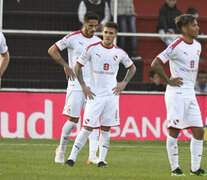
x,y
112,146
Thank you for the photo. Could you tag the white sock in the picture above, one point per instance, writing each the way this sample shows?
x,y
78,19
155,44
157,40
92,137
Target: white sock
x,y
66,131
79,143
103,145
196,148
172,149
93,143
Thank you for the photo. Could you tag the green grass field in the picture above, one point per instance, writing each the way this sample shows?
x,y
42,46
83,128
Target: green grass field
x,y
32,159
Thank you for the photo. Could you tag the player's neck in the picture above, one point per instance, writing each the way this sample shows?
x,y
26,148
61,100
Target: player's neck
x,y
85,33
108,45
187,39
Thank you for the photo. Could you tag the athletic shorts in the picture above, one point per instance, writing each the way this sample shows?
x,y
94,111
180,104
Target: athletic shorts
x,y
106,107
182,113
74,103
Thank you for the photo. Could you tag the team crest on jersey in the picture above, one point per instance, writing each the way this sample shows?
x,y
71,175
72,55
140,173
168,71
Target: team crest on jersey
x,y
176,121
87,121
115,57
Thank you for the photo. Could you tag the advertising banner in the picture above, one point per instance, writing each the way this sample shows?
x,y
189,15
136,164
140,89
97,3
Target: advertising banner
x,y
39,115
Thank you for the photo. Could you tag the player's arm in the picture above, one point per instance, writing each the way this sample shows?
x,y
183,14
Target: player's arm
x,y
121,86
5,58
86,90
54,53
158,68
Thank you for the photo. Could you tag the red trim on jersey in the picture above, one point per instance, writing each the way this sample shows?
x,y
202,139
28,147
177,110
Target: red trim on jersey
x,y
70,116
160,60
91,127
79,63
72,34
111,126
4,53
106,46
193,127
85,35
57,47
93,45
130,66
120,49
176,43
186,127
186,41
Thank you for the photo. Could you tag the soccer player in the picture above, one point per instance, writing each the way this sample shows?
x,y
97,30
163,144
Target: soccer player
x,y
103,92
182,108
75,43
4,61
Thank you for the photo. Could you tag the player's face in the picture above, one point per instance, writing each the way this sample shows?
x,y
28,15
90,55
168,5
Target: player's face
x,y
191,30
90,27
109,34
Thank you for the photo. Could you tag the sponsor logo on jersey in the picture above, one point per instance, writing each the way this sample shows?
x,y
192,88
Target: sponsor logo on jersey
x,y
98,55
81,43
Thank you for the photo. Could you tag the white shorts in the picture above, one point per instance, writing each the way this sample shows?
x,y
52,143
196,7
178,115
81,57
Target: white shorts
x,y
74,103
107,107
182,113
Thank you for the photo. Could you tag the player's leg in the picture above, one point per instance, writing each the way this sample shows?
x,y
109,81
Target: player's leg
x,y
175,113
91,121
194,120
72,109
93,146
109,118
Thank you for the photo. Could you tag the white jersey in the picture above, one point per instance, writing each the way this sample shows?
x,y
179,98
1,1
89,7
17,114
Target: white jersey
x,y
76,43
104,66
3,46
183,60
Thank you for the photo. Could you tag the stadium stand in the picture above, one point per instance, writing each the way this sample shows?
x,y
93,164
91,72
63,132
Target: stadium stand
x,y
30,65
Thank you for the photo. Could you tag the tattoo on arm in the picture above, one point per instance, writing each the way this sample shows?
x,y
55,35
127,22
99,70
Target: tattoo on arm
x,y
158,68
130,73
79,74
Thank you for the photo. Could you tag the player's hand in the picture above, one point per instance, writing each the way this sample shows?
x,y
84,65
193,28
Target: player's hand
x,y
119,88
69,73
176,81
87,92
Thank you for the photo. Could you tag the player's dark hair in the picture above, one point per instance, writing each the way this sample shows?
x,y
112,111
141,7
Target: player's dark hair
x,y
111,25
184,20
192,10
90,15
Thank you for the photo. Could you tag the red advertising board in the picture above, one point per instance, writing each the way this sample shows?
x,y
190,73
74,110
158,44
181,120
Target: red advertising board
x,y
39,115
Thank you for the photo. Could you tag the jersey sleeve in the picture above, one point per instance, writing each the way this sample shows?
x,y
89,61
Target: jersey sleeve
x,y
64,43
3,46
126,61
165,55
85,56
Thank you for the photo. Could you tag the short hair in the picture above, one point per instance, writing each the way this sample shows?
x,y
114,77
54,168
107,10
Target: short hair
x,y
152,73
192,10
90,15
111,25
184,20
